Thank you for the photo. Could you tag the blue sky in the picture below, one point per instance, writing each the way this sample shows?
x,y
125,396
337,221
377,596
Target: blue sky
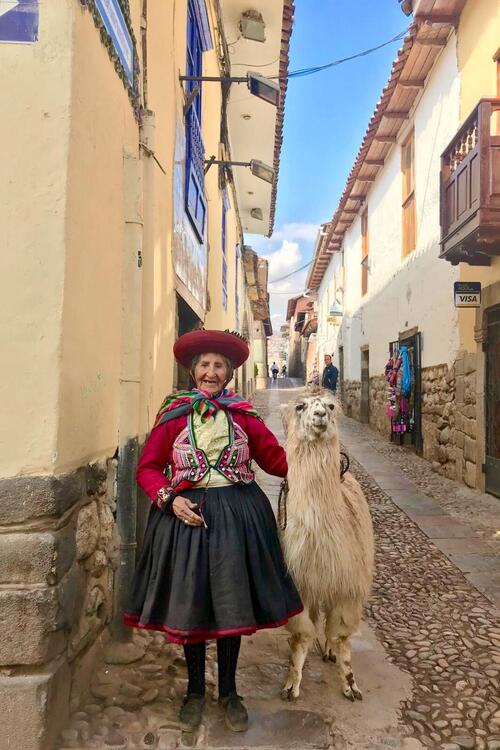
x,y
325,119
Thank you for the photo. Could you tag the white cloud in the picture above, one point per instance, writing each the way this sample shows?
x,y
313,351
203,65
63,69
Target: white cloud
x,y
288,249
296,231
284,260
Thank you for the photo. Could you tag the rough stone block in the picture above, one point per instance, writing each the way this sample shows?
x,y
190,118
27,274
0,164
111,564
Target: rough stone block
x,y
459,390
444,436
470,427
469,363
24,498
459,440
470,450
459,366
36,557
34,708
470,474
28,621
87,531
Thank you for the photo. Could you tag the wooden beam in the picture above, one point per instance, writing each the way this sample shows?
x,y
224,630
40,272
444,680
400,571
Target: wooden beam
x,y
374,162
412,83
396,115
366,179
352,211
386,138
447,18
356,197
431,42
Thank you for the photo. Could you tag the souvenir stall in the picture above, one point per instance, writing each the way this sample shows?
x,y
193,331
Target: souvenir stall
x,y
403,407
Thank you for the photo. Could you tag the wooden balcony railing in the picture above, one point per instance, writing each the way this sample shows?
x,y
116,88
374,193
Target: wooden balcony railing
x,y
470,188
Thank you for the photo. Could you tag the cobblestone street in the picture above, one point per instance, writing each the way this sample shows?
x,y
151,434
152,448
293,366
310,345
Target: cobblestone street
x,y
427,657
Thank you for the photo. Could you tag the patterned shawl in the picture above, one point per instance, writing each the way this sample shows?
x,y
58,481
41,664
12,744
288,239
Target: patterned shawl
x,y
203,403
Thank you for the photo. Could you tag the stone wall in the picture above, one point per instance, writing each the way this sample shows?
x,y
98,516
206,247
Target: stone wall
x,y
58,554
438,418
351,398
378,401
449,420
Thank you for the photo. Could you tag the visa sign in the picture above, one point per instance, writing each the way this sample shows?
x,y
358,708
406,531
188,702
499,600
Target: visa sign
x,y
467,293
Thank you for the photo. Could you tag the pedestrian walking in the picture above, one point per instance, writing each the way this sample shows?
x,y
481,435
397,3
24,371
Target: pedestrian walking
x,y
330,375
283,371
274,371
211,565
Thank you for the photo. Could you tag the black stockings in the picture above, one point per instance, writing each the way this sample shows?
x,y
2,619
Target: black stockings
x,y
195,662
227,659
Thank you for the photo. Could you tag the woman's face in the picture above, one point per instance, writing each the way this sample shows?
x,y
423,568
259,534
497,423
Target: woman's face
x,y
210,373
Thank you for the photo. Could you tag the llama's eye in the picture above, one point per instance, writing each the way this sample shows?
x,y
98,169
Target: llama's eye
x,y
331,406
299,407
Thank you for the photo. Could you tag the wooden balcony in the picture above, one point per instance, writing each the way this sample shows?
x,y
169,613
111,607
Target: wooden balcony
x,y
470,189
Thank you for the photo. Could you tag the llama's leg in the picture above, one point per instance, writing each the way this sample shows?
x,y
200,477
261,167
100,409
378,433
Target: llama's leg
x,y
340,624
315,616
302,635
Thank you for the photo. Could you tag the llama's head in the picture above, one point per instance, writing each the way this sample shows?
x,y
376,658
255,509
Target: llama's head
x,y
312,415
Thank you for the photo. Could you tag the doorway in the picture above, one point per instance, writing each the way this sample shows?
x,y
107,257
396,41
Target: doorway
x,y
364,410
187,320
406,425
492,402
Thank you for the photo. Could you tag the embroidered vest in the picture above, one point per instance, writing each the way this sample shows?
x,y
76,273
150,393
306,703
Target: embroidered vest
x,y
191,463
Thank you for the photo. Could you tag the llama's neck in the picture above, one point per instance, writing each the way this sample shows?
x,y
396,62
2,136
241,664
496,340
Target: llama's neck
x,y
314,461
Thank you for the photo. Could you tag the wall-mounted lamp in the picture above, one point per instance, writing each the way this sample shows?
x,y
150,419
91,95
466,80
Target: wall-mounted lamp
x,y
257,168
263,88
256,213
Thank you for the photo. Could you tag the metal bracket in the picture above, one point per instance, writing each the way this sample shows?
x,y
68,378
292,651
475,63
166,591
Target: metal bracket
x,y
188,102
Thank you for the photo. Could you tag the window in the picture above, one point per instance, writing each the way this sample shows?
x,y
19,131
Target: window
x,y
225,206
408,174
196,205
364,252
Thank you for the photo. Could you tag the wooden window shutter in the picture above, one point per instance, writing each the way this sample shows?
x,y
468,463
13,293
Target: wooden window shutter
x,y
408,205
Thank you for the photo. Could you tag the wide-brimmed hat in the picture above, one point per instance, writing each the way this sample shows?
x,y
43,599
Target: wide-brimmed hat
x,y
232,345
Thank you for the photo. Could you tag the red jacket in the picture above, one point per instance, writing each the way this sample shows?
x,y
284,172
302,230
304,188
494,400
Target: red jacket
x,y
159,453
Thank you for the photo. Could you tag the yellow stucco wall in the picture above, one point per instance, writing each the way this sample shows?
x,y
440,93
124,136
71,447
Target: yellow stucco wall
x,y
88,336
478,40
103,127
35,134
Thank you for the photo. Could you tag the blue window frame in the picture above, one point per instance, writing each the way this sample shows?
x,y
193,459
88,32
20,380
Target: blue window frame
x,y
195,201
225,206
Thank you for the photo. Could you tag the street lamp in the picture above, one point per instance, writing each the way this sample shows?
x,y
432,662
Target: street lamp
x,y
257,168
263,88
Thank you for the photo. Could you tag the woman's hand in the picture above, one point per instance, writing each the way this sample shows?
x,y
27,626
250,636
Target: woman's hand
x,y
184,510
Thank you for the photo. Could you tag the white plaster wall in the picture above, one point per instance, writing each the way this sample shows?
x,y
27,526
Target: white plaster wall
x,y
328,333
417,290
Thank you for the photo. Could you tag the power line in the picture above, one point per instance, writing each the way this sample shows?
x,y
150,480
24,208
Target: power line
x,y
301,72
281,278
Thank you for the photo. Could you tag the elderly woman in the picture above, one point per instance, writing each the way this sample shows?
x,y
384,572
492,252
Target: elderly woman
x,y
211,566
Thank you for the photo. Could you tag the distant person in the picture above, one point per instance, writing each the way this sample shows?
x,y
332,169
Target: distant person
x,y
274,371
330,375
283,371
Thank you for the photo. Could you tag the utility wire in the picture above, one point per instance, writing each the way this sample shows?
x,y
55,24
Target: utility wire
x,y
281,278
301,72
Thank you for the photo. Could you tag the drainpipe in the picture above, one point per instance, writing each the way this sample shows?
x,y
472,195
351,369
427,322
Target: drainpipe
x,y
130,380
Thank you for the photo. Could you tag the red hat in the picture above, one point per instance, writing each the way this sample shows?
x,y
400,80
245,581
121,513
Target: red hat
x,y
231,345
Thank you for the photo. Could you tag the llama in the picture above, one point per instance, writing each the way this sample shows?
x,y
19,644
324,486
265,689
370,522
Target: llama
x,y
327,542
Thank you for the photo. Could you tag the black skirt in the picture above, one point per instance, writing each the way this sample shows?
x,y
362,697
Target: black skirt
x,y
196,584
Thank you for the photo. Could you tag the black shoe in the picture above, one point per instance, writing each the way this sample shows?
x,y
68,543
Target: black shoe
x,y
191,712
236,713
